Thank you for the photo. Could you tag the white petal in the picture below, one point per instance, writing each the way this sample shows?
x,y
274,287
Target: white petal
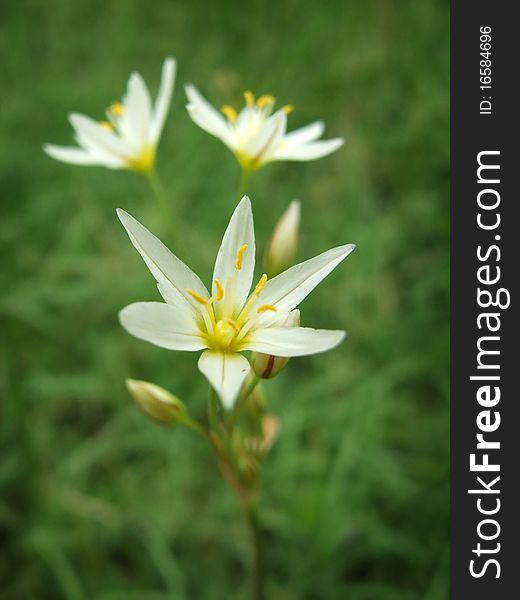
x,y
240,231
264,146
70,154
293,341
309,133
93,136
226,372
291,319
135,121
308,151
167,269
205,116
162,104
162,325
287,290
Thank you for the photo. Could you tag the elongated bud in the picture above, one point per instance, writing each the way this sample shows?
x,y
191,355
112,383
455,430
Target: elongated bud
x,y
283,245
268,366
156,402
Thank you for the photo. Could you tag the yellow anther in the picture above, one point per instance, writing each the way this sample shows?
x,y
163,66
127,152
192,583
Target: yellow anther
x,y
266,307
249,97
220,290
196,296
260,285
288,108
117,109
106,125
264,100
240,257
230,113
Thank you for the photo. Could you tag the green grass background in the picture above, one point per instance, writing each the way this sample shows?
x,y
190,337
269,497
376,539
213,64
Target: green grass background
x,y
97,502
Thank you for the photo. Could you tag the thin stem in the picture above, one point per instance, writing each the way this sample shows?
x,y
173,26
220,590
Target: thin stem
x,y
158,192
213,411
246,392
227,462
195,426
251,514
244,182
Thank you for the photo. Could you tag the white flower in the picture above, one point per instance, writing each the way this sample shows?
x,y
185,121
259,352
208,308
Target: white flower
x,y
129,138
230,320
256,135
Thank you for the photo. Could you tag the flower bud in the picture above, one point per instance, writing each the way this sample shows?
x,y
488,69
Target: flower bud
x,y
268,366
283,245
155,401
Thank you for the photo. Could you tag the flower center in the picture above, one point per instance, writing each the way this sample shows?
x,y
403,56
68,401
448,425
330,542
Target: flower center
x,y
224,333
144,161
263,106
223,325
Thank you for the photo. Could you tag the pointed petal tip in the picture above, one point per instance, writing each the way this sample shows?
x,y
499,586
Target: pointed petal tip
x,y
169,68
189,88
124,217
73,117
346,249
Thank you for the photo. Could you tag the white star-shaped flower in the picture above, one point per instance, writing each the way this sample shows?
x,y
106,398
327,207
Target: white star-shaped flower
x,y
256,135
128,138
230,320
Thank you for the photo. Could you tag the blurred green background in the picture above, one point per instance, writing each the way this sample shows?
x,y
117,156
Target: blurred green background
x,y
96,501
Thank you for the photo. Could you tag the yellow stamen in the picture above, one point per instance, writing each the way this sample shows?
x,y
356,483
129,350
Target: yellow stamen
x,y
117,109
264,100
106,125
240,257
251,301
265,307
249,97
288,108
230,113
200,299
220,290
260,285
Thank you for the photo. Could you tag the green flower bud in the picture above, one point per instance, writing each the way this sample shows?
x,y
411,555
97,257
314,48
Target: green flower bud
x,y
156,402
283,245
268,366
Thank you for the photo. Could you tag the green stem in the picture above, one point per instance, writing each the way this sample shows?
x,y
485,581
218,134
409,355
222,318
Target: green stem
x,y
244,182
227,462
158,192
251,514
195,426
213,411
239,405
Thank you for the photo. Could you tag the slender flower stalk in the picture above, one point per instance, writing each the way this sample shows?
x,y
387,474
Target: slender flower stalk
x,y
128,137
231,319
256,135
157,188
251,514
